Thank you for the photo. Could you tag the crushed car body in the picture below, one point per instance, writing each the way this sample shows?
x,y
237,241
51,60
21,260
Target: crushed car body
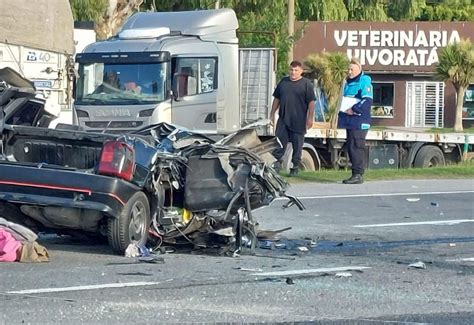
x,y
161,184
18,102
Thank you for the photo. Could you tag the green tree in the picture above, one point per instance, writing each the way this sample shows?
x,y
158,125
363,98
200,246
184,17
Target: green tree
x,y
405,9
448,10
88,10
274,28
367,10
321,10
330,70
456,65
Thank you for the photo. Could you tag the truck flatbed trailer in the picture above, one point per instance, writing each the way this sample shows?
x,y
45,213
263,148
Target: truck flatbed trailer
x,y
391,147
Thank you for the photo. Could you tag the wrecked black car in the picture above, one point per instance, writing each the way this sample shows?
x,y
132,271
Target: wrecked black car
x,y
18,102
160,184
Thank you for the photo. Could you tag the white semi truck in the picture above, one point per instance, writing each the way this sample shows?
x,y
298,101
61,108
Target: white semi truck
x,y
176,67
186,68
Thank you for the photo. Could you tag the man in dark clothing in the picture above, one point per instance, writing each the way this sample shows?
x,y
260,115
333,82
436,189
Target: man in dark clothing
x,y
294,100
356,120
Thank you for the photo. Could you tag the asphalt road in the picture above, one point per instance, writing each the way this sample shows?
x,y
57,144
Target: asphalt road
x,y
359,242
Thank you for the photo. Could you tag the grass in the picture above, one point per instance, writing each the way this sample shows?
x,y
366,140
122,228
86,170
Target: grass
x,y
461,171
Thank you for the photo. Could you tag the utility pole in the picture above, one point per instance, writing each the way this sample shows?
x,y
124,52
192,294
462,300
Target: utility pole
x,y
291,27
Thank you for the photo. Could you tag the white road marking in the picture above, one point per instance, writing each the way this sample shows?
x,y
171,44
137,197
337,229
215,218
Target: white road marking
x,y
307,271
85,287
375,195
438,222
467,259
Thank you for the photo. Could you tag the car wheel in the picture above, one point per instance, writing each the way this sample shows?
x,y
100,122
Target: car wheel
x,y
131,226
429,156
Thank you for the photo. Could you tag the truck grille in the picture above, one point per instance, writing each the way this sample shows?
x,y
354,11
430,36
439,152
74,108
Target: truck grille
x,y
114,125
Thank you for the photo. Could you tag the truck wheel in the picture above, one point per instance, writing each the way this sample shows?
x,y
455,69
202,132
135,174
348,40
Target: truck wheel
x,y
131,225
429,156
307,161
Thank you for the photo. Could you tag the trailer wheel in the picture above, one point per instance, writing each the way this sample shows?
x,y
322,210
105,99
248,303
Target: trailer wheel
x,y
131,225
429,156
307,161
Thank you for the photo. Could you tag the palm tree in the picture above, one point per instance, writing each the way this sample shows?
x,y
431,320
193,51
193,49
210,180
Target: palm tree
x,y
456,65
330,70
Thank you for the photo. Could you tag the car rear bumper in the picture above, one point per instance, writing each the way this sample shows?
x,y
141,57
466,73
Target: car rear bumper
x,y
50,186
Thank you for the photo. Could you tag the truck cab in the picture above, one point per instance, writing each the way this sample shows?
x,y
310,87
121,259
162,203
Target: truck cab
x,y
175,67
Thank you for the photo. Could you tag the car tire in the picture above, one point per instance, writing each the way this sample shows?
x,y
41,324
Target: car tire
x,y
429,156
131,225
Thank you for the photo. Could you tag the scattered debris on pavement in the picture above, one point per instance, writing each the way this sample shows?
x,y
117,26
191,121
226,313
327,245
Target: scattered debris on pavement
x,y
249,269
343,275
153,259
270,234
418,265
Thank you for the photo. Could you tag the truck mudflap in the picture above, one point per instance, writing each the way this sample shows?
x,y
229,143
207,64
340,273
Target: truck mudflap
x,y
62,187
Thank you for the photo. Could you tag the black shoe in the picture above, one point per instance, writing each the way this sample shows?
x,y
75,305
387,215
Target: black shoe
x,y
293,172
354,179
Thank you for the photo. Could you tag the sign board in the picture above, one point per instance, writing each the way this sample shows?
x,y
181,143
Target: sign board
x,y
391,46
43,84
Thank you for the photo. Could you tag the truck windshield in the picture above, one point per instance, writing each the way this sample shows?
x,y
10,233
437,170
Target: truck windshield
x,y
121,84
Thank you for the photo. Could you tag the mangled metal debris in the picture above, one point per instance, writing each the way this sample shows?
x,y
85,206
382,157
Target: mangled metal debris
x,y
206,191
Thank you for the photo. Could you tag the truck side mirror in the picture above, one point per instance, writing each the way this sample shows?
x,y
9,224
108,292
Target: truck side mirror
x,y
74,89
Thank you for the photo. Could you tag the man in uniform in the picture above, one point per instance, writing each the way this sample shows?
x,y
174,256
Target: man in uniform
x,y
356,120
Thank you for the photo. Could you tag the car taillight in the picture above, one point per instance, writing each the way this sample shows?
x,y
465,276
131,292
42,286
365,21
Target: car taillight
x,y
117,159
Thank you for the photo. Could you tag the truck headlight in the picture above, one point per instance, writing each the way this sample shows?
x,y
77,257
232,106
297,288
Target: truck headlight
x,y
81,113
146,113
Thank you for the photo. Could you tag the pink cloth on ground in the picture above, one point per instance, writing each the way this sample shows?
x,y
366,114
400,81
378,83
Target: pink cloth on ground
x,y
8,246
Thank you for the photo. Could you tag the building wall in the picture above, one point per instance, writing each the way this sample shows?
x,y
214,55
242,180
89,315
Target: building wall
x,y
399,103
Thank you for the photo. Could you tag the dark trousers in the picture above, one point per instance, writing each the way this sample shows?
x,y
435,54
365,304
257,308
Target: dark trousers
x,y
355,143
285,135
